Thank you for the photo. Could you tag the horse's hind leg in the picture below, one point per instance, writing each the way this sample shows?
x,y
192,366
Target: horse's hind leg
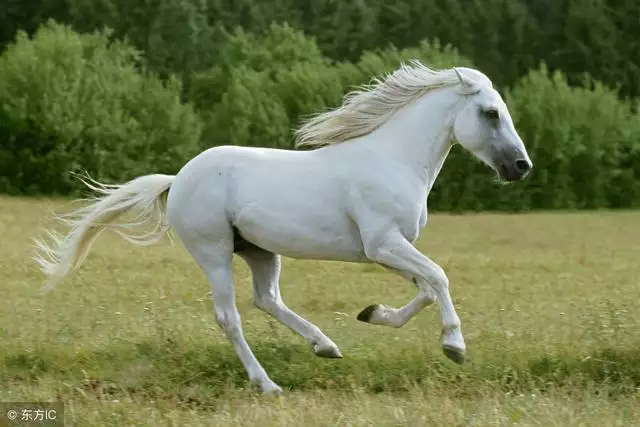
x,y
215,259
265,269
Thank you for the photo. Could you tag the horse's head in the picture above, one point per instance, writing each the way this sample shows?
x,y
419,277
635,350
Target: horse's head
x,y
485,128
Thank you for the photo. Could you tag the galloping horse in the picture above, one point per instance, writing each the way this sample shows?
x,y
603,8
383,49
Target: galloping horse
x,y
358,196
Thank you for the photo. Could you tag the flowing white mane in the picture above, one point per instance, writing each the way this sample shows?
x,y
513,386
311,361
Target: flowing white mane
x,y
365,109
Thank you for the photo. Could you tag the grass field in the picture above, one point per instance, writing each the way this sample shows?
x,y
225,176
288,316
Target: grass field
x,y
548,302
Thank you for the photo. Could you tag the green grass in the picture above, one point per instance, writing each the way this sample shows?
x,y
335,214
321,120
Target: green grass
x,y
549,305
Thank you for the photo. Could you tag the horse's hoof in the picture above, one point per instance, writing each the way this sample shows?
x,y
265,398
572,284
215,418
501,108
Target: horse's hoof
x,y
271,389
454,354
330,352
365,315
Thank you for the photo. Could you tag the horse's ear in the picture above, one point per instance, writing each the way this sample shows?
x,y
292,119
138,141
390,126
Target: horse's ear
x,y
463,80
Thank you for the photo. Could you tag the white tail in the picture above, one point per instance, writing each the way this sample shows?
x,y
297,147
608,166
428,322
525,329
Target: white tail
x,y
145,194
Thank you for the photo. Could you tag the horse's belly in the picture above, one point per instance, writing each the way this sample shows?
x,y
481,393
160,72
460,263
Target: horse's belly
x,y
308,237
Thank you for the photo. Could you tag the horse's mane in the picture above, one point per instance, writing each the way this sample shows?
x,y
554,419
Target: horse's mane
x,y
366,108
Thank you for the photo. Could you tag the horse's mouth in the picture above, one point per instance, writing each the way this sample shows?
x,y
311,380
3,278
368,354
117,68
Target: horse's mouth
x,y
510,174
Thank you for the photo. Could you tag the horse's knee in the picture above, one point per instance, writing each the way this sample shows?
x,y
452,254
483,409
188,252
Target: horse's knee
x,y
438,278
229,322
267,304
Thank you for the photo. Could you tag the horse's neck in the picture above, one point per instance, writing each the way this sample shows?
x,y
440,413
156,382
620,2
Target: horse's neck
x,y
419,136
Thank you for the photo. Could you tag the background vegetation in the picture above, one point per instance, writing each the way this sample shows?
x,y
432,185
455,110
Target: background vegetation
x,y
122,88
549,313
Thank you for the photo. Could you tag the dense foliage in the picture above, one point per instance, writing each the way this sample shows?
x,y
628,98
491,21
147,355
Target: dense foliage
x,y
70,101
263,86
148,102
505,38
584,142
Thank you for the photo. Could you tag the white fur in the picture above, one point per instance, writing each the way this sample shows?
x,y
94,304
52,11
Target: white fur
x,y
359,198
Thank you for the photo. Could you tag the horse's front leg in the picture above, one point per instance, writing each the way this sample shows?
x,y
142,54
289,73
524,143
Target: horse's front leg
x,y
396,252
380,314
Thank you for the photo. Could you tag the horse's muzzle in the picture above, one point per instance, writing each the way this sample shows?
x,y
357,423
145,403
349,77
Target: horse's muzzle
x,y
514,170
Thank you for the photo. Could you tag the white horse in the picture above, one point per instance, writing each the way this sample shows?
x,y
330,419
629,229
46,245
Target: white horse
x,y
359,197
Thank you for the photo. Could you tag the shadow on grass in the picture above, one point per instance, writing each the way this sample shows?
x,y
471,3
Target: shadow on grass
x,y
196,374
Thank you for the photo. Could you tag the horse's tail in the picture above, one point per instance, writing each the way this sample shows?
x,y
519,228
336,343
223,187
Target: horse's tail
x,y
146,194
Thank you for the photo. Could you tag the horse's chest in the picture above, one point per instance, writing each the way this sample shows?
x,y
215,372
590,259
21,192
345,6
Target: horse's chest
x,y
394,203
411,225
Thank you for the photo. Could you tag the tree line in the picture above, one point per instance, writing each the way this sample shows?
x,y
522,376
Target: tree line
x,y
504,38
129,88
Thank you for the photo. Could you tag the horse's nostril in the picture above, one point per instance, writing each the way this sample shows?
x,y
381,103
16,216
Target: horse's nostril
x,y
522,165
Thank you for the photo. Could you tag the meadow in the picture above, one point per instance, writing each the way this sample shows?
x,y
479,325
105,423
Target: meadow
x,y
548,303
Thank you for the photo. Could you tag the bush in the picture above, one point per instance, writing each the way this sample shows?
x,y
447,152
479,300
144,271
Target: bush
x,y
264,85
70,101
431,53
249,113
584,143
584,140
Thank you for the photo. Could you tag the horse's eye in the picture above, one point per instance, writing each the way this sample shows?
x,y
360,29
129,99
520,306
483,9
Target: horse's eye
x,y
492,113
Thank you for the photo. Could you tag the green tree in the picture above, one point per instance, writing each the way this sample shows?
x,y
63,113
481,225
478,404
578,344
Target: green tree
x,y
584,140
71,101
265,84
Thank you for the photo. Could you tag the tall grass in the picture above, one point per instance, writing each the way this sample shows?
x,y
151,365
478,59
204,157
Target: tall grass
x,y
548,304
